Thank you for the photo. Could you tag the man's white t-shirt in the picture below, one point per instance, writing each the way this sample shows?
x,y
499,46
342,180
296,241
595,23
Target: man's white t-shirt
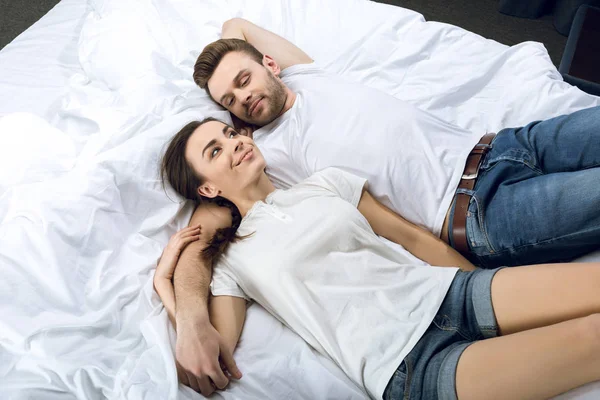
x,y
313,261
412,160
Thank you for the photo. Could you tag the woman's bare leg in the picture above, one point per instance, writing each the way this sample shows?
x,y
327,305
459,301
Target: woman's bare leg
x,y
534,364
540,295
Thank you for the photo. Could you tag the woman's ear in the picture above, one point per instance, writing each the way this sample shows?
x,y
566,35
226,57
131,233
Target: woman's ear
x,y
270,64
208,190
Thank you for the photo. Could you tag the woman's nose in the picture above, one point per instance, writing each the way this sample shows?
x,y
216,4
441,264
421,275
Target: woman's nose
x,y
238,146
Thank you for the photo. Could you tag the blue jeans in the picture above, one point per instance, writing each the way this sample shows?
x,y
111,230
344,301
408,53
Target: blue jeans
x,y
537,198
466,315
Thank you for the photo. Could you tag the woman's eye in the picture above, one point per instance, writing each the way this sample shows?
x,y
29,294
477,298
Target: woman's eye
x,y
230,102
232,134
214,152
245,82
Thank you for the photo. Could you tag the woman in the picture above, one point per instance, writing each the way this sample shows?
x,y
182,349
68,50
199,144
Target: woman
x,y
311,256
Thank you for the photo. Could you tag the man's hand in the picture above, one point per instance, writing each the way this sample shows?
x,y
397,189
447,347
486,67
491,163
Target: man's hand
x,y
198,351
199,345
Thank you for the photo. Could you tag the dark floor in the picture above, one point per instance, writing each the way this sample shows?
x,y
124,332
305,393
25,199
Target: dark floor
x,y
479,16
18,15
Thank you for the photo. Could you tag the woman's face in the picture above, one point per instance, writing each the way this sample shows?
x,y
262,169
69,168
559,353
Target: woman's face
x,y
228,161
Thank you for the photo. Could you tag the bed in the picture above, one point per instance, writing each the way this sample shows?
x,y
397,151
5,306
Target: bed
x,y
90,95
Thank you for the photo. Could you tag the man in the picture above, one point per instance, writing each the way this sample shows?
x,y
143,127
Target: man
x,y
527,197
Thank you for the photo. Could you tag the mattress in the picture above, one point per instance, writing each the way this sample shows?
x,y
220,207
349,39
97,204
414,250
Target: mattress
x,y
91,94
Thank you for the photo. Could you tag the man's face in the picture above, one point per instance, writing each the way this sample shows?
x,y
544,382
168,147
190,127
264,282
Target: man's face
x,y
249,90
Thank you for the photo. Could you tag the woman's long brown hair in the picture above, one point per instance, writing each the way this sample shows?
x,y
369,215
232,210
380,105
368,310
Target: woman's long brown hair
x,y
178,172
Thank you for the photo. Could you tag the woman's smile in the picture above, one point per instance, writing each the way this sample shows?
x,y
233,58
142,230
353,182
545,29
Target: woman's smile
x,y
245,156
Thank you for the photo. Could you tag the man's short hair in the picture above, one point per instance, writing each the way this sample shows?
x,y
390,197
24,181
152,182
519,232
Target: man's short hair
x,y
212,55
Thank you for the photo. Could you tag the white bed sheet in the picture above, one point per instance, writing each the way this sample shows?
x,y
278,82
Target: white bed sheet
x,y
83,217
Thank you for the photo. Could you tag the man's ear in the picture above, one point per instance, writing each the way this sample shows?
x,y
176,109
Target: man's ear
x,y
270,64
208,190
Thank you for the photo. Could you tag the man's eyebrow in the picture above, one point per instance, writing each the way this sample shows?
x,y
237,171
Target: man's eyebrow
x,y
211,143
237,77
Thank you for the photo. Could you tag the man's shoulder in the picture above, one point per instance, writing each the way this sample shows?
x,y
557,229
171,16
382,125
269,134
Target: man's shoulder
x,y
301,70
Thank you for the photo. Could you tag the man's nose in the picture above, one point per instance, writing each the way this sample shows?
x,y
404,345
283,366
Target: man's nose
x,y
244,96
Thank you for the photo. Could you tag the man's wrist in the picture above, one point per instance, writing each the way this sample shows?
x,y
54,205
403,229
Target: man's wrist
x,y
196,316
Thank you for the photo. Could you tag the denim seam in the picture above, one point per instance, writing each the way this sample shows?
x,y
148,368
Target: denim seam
x,y
548,240
482,227
583,169
481,212
408,378
512,249
451,328
485,166
496,160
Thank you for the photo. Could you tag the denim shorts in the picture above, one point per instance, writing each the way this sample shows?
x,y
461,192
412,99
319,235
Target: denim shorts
x,y
465,316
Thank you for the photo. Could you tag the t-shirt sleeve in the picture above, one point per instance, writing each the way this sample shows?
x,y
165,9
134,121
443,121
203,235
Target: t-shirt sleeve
x,y
301,69
224,284
344,184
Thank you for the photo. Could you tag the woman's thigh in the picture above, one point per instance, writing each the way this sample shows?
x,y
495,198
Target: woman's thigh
x,y
534,364
549,321
540,295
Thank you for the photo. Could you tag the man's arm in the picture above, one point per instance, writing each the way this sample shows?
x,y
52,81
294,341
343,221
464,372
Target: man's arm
x,y
199,345
281,50
418,241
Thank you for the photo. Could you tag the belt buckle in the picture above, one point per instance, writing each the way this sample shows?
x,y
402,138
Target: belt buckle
x,y
471,176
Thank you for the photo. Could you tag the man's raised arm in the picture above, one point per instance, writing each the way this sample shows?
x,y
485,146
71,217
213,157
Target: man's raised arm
x,y
281,50
199,345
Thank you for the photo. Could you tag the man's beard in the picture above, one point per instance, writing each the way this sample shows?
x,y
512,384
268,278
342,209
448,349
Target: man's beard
x,y
276,95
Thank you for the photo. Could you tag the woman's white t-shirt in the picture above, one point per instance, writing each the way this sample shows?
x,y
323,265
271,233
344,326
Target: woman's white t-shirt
x,y
313,261
412,159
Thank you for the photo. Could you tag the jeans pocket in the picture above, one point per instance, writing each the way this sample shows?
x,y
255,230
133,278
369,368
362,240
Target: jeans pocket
x,y
511,155
477,236
396,388
451,327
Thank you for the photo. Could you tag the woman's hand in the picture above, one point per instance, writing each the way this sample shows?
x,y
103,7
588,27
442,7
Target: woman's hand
x,y
166,267
171,253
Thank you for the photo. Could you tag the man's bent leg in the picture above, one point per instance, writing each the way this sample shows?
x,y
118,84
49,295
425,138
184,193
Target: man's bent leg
x,y
546,218
566,143
536,199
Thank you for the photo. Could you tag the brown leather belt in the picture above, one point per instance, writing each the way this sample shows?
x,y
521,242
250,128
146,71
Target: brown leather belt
x,y
459,220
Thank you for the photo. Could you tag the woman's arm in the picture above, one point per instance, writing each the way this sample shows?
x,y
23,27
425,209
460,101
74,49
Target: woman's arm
x,y
227,315
418,241
165,291
166,267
